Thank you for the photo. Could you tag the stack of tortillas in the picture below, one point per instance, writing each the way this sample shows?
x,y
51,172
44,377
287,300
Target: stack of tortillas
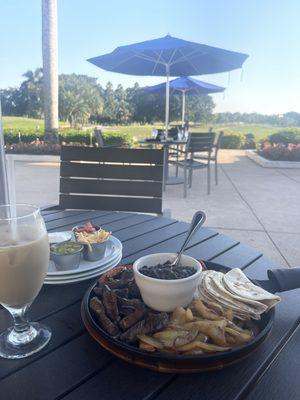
x,y
235,291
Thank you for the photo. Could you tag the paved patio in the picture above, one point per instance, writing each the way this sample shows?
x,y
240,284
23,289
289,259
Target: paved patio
x,y
257,206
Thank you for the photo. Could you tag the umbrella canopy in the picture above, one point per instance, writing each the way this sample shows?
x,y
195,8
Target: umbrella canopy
x,y
169,56
186,85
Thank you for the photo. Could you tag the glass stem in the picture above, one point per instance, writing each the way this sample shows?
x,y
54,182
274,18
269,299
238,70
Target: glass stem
x,y
22,332
21,323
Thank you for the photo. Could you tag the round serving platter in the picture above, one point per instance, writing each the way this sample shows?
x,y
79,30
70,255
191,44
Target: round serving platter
x,y
174,363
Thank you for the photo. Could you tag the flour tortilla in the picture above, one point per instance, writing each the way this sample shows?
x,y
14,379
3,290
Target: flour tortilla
x,y
238,284
255,306
207,290
212,282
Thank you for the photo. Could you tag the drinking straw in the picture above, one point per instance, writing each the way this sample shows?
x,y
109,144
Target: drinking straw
x,y
4,199
5,196
11,184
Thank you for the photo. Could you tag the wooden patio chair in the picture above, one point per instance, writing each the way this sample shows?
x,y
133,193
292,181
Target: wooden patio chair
x,y
117,179
214,155
197,142
100,139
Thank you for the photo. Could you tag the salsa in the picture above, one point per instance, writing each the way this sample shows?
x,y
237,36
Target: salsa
x,y
167,271
66,248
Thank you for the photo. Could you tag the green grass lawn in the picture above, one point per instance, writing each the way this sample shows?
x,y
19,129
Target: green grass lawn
x,y
259,131
141,131
22,123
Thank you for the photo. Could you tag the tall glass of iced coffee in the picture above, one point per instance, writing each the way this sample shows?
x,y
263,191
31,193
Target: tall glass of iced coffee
x,y
24,259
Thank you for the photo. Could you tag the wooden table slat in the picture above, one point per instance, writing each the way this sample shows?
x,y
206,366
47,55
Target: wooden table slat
x,y
65,326
238,257
72,220
202,248
57,372
149,239
281,380
62,214
151,226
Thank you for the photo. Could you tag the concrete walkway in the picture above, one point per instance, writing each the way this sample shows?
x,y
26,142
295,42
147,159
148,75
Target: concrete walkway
x,y
257,206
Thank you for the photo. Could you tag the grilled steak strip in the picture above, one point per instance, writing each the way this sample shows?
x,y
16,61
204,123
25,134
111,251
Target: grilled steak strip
x,y
105,323
110,303
132,318
152,323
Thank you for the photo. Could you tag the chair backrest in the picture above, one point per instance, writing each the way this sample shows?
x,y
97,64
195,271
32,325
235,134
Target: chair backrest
x,y
173,133
200,141
99,137
219,141
111,179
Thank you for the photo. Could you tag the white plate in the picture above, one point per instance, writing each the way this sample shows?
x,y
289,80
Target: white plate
x,y
114,247
84,272
93,274
93,266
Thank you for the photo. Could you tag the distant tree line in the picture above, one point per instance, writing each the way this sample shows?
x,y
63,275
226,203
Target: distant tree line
x,y
83,100
291,118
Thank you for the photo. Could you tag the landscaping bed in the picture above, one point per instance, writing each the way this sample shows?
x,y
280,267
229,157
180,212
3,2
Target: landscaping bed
x,y
281,152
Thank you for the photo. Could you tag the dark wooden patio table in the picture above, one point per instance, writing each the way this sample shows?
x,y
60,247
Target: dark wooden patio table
x,y
74,366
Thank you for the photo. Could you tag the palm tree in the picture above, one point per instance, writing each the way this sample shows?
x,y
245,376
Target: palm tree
x,y
32,93
49,42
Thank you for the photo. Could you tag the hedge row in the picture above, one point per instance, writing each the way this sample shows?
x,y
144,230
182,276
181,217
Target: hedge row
x,y
13,136
233,141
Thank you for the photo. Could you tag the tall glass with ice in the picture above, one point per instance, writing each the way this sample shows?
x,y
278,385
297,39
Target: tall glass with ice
x,y
24,259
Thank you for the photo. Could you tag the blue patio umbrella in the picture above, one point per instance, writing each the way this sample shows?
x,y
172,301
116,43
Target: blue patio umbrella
x,y
169,56
186,85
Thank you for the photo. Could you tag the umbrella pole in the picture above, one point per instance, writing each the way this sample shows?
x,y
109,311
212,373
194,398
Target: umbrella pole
x,y
3,173
167,99
183,108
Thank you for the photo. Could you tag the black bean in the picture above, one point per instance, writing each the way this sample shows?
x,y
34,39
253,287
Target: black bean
x,y
167,271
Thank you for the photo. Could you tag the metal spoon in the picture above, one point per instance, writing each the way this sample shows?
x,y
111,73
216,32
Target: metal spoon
x,y
197,221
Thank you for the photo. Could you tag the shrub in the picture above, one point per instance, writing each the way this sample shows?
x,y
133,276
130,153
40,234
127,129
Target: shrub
x,y
119,139
12,136
73,135
281,152
233,142
26,135
285,137
249,141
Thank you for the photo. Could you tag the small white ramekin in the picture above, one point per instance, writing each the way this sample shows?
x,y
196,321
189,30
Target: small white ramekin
x,y
162,294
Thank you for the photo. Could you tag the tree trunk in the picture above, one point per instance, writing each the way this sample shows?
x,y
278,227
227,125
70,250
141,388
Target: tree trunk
x,y
50,74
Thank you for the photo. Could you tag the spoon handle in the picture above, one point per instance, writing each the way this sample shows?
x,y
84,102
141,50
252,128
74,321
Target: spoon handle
x,y
197,221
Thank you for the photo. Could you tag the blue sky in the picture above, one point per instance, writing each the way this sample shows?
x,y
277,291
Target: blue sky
x,y
267,30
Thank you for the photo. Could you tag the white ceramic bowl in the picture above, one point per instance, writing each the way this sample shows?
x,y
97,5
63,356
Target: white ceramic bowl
x,y
166,295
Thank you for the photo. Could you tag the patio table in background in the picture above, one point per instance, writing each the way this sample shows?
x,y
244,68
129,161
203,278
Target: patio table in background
x,y
166,144
73,366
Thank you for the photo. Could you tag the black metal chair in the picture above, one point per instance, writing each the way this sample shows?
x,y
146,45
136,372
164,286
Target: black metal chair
x,y
100,142
214,155
117,179
197,142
